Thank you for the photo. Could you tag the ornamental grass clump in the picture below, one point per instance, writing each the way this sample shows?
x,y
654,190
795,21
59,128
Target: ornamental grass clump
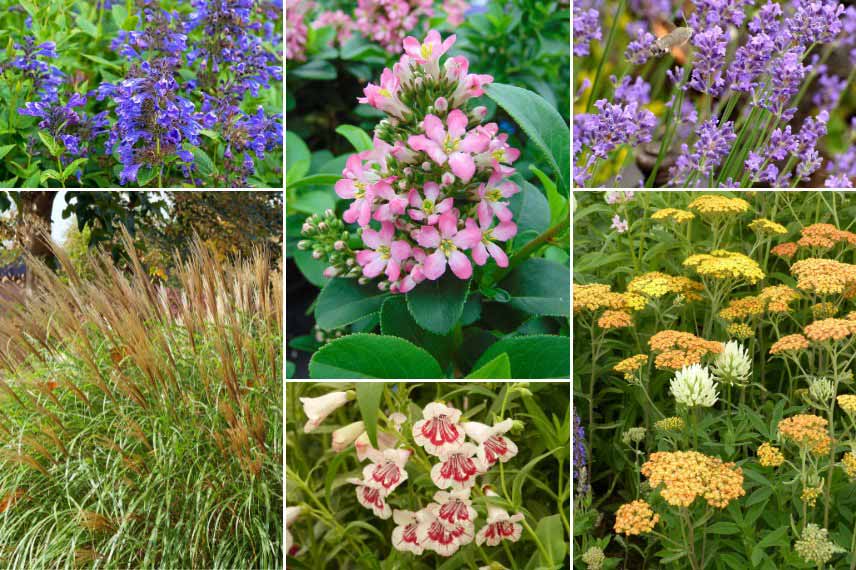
x,y
141,425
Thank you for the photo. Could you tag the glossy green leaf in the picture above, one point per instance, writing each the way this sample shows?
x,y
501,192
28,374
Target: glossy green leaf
x,y
344,301
315,69
437,305
536,356
314,180
372,356
540,287
497,369
358,138
396,320
531,212
297,157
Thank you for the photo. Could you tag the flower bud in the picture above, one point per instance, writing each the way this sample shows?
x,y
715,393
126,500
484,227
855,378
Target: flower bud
x,y
363,280
323,226
328,213
345,436
317,254
330,272
383,285
426,166
441,104
447,179
303,245
479,113
307,228
339,245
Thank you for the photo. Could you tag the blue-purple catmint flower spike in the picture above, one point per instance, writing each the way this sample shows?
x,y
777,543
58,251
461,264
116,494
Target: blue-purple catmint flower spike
x,y
580,460
46,78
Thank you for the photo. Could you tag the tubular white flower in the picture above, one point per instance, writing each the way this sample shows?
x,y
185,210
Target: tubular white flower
x,y
317,409
453,508
694,386
439,429
397,419
492,446
434,535
291,514
372,496
500,525
404,536
733,365
457,468
387,469
345,436
364,447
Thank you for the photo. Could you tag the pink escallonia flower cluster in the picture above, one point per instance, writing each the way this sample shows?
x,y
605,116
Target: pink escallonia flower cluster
x,y
436,181
448,522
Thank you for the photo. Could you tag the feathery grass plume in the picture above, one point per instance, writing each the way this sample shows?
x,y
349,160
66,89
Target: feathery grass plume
x,y
140,426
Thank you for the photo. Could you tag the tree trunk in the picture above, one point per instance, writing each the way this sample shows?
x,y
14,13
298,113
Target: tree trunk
x,y
34,217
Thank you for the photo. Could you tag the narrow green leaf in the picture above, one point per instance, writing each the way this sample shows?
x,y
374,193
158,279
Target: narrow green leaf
x,y
72,168
50,142
88,27
49,174
368,399
4,150
358,138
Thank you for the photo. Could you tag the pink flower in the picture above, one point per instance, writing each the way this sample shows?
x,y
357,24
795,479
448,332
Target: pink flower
x,y
428,52
455,11
427,210
492,446
341,22
414,270
457,468
498,152
385,96
345,436
442,146
467,85
404,537
387,469
502,232
317,409
618,224
448,243
384,253
453,508
491,194
357,185
394,206
500,526
433,534
439,430
372,496
388,21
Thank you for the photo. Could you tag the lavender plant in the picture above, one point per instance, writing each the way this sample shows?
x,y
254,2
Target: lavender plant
x,y
159,93
731,93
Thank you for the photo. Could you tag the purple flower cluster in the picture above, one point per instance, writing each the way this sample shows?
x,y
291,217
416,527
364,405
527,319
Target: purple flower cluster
x,y
713,144
721,13
639,50
709,61
586,27
580,472
46,78
76,130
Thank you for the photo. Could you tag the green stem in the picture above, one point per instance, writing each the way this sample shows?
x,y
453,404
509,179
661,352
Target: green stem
x,y
530,247
607,50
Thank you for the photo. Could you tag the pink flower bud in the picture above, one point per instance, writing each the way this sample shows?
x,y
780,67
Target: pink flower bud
x,y
426,166
479,112
345,436
441,104
317,409
339,245
306,228
317,254
331,272
447,179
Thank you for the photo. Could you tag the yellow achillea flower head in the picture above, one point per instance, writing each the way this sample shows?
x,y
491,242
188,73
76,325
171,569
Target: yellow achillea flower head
x,y
779,298
679,349
599,296
655,285
740,330
744,308
807,430
611,319
785,250
635,518
770,456
823,276
686,475
713,205
824,236
824,310
848,462
765,226
826,329
673,214
847,403
673,423
809,495
629,366
791,342
722,264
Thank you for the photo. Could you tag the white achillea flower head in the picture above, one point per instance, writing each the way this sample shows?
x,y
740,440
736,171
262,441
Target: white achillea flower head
x,y
733,365
694,386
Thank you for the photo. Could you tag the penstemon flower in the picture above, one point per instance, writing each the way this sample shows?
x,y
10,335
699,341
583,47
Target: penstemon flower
x,y
492,445
372,496
500,525
387,469
437,179
291,515
317,409
345,436
404,537
439,430
458,467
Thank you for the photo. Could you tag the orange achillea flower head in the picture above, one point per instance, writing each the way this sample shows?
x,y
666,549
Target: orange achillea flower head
x,y
823,276
678,349
807,430
826,329
786,250
635,518
629,366
770,456
779,297
673,214
713,205
686,475
824,236
744,308
847,403
765,226
611,319
722,264
788,343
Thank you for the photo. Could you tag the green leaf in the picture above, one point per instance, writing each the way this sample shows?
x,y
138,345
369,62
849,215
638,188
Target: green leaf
x,y
88,27
723,527
49,174
551,533
289,369
358,138
313,202
535,356
72,168
437,305
344,301
396,320
102,61
372,356
4,150
544,126
297,157
120,14
145,175
531,212
53,147
540,287
558,203
7,184
522,475
368,399
497,369
203,163
314,180
357,49
312,269
315,69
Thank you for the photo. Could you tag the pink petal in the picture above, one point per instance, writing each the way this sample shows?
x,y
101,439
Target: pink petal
x,y
460,265
509,189
462,165
372,238
382,189
435,265
345,188
413,198
365,256
353,166
412,47
374,268
365,213
504,231
485,216
479,253
448,225
387,230
434,128
474,142
450,41
417,215
457,123
502,211
426,236
444,206
352,213
398,204
467,238
498,254
399,250
431,191
393,270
